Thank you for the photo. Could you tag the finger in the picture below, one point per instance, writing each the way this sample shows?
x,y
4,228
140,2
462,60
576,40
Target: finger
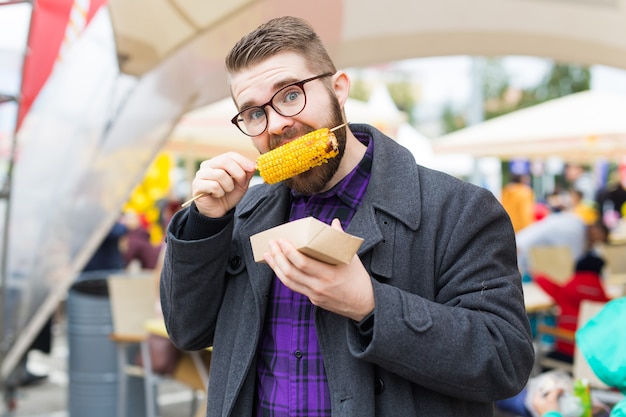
x,y
223,174
277,261
240,168
288,263
295,258
217,161
336,224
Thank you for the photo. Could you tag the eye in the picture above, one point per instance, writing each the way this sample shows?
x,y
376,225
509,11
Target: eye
x,y
253,114
291,95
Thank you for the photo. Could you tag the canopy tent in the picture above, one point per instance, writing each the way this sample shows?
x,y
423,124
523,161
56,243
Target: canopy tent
x,y
360,33
579,127
132,68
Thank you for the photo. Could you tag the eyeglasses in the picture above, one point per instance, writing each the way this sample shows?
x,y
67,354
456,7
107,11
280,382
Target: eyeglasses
x,y
288,102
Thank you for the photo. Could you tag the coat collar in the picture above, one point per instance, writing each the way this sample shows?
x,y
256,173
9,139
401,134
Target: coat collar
x,y
394,186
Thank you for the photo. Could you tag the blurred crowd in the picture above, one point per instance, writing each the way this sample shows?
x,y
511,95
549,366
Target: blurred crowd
x,y
586,217
578,213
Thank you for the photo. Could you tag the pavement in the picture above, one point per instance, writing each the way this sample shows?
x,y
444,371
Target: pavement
x,y
49,398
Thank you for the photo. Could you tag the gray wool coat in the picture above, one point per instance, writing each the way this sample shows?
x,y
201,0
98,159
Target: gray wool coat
x,y
450,332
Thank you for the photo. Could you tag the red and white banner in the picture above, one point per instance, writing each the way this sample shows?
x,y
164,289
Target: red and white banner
x,y
54,25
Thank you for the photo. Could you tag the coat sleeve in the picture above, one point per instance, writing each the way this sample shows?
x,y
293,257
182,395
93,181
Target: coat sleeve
x,y
471,337
193,280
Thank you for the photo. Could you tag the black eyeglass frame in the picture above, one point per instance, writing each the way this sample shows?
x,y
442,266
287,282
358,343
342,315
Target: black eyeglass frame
x,y
300,84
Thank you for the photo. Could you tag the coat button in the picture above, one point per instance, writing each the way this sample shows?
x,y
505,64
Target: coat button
x,y
235,261
379,386
298,354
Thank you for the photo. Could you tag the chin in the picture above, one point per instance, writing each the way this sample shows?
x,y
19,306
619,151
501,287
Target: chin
x,y
316,179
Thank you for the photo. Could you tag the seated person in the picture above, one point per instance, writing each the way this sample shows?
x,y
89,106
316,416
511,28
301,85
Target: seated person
x,y
557,229
585,284
547,405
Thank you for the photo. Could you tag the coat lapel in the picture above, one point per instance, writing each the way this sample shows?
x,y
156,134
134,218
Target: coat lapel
x,y
389,167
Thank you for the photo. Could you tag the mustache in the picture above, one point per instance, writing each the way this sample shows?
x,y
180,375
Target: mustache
x,y
288,135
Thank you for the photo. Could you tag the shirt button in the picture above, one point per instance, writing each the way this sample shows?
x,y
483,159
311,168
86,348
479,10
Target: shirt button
x,y
298,354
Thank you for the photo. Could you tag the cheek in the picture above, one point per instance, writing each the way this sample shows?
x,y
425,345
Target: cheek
x,y
317,111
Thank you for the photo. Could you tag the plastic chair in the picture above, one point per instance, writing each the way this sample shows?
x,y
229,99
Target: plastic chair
x,y
555,261
132,304
132,301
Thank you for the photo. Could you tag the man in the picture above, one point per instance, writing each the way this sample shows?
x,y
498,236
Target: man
x,y
427,319
563,228
578,178
518,199
611,200
584,284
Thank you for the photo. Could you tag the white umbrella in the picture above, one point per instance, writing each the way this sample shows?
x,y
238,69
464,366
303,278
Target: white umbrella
x,y
579,127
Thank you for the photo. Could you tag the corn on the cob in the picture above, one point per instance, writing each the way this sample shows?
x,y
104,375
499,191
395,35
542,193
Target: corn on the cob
x,y
298,156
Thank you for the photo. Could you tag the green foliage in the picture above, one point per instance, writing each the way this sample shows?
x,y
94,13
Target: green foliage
x,y
452,120
500,98
560,81
496,81
402,94
359,90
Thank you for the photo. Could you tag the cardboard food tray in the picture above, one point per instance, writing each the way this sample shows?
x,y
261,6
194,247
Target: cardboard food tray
x,y
311,237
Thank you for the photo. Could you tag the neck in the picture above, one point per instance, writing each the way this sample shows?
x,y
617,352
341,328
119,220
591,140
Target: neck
x,y
352,156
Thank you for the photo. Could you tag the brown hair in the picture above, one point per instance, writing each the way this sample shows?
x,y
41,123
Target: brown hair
x,y
282,34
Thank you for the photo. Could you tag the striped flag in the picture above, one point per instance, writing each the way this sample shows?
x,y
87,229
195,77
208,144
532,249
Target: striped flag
x,y
55,24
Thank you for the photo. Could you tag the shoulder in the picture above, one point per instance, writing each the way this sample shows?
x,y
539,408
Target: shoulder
x,y
394,162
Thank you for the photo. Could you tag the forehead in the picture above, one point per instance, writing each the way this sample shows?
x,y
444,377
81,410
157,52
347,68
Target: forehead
x,y
255,84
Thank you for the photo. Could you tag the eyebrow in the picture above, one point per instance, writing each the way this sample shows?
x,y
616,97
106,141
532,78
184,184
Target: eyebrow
x,y
277,86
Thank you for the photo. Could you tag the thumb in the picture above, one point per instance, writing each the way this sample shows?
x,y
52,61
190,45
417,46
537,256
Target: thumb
x,y
336,224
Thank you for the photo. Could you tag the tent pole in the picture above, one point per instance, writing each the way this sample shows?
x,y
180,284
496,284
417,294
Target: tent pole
x,y
9,393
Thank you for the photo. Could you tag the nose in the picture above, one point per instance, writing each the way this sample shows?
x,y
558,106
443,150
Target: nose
x,y
276,123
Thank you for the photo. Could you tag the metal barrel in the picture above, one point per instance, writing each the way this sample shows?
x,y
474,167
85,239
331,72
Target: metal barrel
x,y
92,361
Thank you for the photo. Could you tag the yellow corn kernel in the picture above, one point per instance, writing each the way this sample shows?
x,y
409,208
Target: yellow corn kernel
x,y
298,156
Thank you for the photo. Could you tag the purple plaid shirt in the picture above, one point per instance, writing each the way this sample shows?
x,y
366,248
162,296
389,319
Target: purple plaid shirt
x,y
291,379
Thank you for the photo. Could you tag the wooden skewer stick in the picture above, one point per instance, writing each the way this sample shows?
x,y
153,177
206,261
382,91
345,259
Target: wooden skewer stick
x,y
339,127
192,199
197,196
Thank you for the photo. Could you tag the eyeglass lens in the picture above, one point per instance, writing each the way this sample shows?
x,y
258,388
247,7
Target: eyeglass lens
x,y
287,102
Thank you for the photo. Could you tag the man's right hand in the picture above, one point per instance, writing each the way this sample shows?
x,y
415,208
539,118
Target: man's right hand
x,y
224,180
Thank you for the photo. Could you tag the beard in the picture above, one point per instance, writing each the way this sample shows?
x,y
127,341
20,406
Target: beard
x,y
315,179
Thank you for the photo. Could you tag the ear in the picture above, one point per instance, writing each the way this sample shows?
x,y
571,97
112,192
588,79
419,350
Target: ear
x,y
341,86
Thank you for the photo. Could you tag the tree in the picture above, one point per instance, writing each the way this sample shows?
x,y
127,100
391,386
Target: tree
x,y
451,119
402,94
359,90
561,80
500,98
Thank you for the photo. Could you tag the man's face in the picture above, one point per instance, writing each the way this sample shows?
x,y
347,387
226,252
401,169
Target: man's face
x,y
257,84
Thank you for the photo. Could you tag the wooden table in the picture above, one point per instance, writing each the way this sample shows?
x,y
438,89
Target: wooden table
x,y
536,299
